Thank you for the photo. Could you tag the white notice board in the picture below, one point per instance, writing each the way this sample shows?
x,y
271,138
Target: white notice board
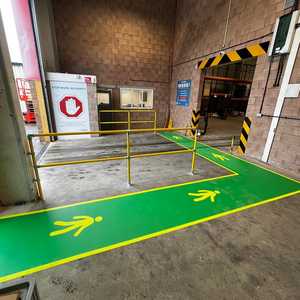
x,y
70,103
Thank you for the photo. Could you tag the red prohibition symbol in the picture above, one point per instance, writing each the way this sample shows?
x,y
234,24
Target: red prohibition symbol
x,y
71,106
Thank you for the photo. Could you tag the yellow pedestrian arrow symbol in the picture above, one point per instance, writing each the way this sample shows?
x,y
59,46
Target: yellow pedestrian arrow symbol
x,y
219,156
80,223
176,137
205,194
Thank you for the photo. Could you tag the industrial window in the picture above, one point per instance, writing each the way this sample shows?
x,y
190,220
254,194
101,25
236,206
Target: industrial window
x,y
103,98
138,98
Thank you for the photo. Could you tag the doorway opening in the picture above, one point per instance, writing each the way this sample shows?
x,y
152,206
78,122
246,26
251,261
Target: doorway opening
x,y
104,102
225,96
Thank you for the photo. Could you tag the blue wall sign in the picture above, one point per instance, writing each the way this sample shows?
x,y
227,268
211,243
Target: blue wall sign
x,y
183,92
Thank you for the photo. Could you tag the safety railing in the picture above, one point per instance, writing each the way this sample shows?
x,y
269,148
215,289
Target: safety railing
x,y
128,156
129,120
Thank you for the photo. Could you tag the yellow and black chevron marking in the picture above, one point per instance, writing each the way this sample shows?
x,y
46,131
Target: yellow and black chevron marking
x,y
195,120
244,134
235,55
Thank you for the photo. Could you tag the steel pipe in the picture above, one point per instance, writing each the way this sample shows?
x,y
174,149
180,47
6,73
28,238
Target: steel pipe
x,y
128,159
146,121
161,153
77,162
35,168
194,151
114,122
126,110
122,131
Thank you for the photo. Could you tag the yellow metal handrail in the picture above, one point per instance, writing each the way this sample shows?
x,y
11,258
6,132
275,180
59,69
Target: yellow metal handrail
x,y
129,121
128,156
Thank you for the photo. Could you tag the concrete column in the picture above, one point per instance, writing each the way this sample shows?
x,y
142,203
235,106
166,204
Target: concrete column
x,y
16,177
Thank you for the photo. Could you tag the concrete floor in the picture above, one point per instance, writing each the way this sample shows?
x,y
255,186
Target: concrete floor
x,y
232,126
71,184
250,255
86,182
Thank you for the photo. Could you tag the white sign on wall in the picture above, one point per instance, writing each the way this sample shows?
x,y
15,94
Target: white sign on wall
x,y
70,103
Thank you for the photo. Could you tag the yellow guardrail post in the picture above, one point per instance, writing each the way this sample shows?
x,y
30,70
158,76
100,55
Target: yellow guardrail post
x,y
129,120
128,160
194,151
35,168
231,146
155,121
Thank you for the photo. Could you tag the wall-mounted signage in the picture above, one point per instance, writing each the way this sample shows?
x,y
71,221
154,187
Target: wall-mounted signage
x,y
70,102
24,90
183,92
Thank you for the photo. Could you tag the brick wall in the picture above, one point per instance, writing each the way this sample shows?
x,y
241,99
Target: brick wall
x,y
181,115
260,126
199,34
286,146
123,43
133,43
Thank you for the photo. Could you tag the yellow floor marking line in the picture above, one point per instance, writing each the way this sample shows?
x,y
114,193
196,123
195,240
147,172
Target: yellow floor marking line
x,y
139,239
82,225
237,157
233,173
201,193
118,197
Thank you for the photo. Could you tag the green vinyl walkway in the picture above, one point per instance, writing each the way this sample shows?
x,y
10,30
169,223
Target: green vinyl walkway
x,y
38,240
